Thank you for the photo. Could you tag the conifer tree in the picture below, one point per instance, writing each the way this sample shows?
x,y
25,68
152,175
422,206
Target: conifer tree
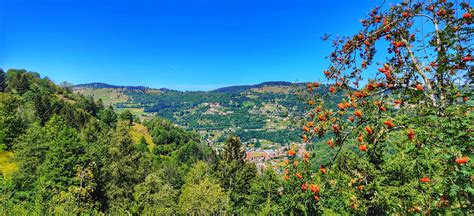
x,y
3,80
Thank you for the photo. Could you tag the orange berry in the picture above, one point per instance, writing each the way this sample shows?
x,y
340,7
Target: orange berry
x,y
358,113
306,155
291,152
306,129
411,134
295,163
363,148
389,123
330,143
299,175
419,87
322,170
425,179
316,198
368,129
322,118
360,138
358,94
304,186
462,160
314,188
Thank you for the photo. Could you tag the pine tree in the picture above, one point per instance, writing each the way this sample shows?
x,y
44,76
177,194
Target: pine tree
x,y
235,173
3,81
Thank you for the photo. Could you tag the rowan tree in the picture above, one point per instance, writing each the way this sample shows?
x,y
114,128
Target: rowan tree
x,y
401,139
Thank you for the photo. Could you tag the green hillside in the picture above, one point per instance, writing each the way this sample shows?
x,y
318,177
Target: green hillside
x,y
268,112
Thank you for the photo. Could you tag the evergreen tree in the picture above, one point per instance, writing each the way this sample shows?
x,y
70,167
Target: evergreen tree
x,y
108,116
235,173
3,81
47,158
264,196
18,81
15,116
125,168
126,116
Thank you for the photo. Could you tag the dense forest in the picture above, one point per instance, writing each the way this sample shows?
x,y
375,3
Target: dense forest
x,y
73,155
399,142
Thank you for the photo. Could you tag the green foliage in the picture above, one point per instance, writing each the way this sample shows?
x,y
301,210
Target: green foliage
x,y
265,194
402,143
155,197
142,145
235,173
126,116
18,81
201,194
126,167
108,116
74,156
13,119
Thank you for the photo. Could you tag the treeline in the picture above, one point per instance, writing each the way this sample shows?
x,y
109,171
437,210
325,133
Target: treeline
x,y
75,156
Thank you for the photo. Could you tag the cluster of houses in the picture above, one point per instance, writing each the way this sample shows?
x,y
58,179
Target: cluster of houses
x,y
271,157
216,109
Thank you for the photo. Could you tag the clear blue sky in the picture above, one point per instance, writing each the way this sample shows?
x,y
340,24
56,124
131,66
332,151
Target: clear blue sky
x,y
178,44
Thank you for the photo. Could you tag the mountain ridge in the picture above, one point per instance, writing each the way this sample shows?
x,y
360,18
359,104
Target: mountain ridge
x,y
232,88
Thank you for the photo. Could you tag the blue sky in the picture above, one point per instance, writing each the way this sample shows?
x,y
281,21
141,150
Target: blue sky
x,y
178,44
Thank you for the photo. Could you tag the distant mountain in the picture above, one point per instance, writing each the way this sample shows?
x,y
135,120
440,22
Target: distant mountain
x,y
242,88
229,89
99,85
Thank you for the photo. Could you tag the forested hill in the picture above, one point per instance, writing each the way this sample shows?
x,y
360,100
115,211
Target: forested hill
x,y
265,114
63,153
241,88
